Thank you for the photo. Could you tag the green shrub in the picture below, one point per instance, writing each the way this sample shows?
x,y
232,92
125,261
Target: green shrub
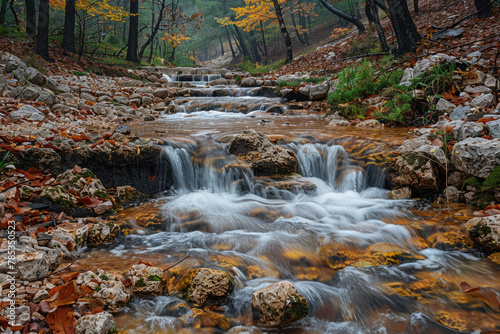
x,y
80,73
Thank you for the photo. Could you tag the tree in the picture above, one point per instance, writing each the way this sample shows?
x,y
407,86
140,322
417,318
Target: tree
x,y
284,31
347,17
42,38
483,7
30,19
69,27
376,21
404,27
3,11
133,34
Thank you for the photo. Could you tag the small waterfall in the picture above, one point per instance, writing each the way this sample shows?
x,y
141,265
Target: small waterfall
x,y
333,164
202,168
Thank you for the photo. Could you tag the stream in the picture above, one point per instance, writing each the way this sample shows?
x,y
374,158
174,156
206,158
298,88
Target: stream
x,y
365,264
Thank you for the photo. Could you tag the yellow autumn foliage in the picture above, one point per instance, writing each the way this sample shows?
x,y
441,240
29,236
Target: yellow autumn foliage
x,y
100,8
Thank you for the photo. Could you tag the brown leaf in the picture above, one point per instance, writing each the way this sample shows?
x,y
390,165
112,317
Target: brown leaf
x,y
67,295
69,276
62,320
89,202
465,287
146,262
77,169
97,310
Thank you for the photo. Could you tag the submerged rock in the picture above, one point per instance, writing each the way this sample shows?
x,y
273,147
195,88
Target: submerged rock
x,y
401,193
278,304
485,231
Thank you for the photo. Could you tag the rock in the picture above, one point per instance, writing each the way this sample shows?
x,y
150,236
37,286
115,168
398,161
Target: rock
x,y
123,129
147,280
111,292
482,101
29,112
410,145
278,304
450,33
87,97
122,100
22,315
477,89
162,93
459,113
452,194
100,323
30,264
445,106
401,193
28,93
58,196
264,158
491,82
40,295
202,284
474,77
244,330
339,122
467,130
485,231
371,124
248,82
408,75
103,208
47,97
416,172
128,195
102,233
494,128
477,156
457,179
318,92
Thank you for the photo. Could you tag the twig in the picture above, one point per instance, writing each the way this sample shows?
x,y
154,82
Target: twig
x,y
177,263
58,271
15,185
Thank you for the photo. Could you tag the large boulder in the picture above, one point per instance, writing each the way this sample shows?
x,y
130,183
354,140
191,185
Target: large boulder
x,y
202,284
485,231
477,156
265,158
278,304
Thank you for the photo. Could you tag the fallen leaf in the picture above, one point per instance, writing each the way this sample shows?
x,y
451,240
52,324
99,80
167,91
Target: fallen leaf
x,y
70,276
67,295
465,287
146,262
62,320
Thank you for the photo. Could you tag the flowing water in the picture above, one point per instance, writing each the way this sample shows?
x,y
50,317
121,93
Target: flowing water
x,y
366,264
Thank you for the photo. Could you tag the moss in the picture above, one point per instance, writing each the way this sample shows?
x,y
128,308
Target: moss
x,y
297,308
416,161
101,194
154,278
485,199
85,174
140,283
104,277
493,180
474,182
112,331
483,229
98,288
57,193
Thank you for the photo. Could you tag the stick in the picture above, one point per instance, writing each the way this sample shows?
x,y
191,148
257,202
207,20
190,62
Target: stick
x,y
177,263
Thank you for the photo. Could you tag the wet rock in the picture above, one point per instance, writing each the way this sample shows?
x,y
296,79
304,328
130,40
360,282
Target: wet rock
x,y
452,194
477,156
265,158
485,231
129,195
109,291
401,193
162,93
102,233
202,284
100,323
415,171
206,319
318,92
482,101
103,208
147,280
370,123
244,330
294,184
248,82
29,112
339,122
278,304
30,264
445,106
58,196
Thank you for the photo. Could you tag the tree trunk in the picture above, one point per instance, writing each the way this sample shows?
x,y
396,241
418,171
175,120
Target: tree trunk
x,y
42,40
370,15
30,19
242,42
69,27
3,11
263,39
154,31
302,20
380,31
302,41
344,16
133,32
221,46
402,22
484,6
284,31
14,14
253,42
415,7
230,43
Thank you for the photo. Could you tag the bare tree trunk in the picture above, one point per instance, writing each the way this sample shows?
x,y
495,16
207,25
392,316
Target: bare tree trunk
x,y
380,32
485,6
263,39
133,32
14,14
3,11
229,40
242,42
284,31
221,46
69,27
30,19
402,22
299,36
42,40
415,7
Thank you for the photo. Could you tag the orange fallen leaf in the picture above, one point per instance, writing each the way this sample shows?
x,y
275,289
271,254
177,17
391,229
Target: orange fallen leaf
x,y
62,320
465,287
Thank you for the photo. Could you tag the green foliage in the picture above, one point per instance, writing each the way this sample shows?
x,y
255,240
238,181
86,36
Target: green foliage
x,y
12,33
140,283
33,60
4,162
80,73
237,80
493,180
486,187
367,45
104,277
154,278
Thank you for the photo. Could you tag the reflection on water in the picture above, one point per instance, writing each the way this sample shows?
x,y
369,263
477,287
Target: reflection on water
x,y
365,264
